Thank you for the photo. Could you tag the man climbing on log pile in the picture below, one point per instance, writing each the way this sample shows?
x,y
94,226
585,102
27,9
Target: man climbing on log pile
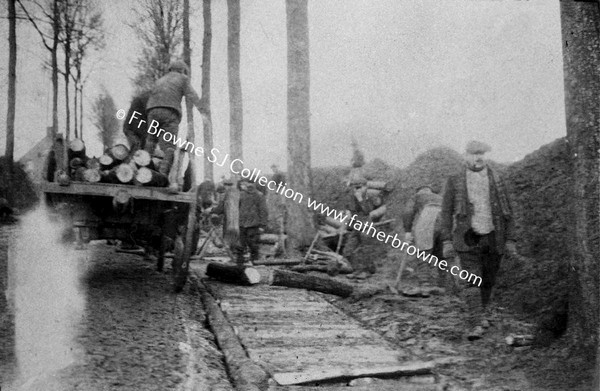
x,y
477,228
164,107
367,208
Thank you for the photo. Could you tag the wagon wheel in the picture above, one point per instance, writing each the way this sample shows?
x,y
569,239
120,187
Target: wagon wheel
x,y
185,245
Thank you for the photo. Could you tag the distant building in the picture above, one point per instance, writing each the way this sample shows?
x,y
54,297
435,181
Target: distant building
x,y
34,161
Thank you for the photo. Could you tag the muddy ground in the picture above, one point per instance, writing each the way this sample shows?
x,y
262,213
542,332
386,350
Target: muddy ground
x,y
135,334
432,327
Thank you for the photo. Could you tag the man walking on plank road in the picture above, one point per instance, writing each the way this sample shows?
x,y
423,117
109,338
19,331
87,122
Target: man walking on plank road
x,y
164,107
478,227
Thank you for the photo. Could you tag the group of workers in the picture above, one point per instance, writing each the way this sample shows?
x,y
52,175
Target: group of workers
x,y
471,223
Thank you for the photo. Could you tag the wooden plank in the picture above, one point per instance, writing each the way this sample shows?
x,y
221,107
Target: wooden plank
x,y
372,352
380,385
111,189
274,308
406,369
308,333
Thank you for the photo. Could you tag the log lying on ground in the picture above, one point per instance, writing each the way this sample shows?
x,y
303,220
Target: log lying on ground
x,y
276,261
245,373
233,273
310,282
148,177
76,149
327,267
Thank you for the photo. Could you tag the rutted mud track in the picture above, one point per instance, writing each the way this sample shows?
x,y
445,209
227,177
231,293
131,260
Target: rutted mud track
x,y
135,333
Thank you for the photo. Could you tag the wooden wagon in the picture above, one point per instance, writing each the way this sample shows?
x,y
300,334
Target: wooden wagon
x,y
153,217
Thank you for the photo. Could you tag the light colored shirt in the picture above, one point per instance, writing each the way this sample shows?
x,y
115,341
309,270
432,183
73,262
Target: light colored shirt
x,y
478,189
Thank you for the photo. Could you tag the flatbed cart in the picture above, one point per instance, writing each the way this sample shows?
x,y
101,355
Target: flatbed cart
x,y
139,215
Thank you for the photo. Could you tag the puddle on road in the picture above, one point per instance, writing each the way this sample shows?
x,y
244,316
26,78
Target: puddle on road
x,y
45,294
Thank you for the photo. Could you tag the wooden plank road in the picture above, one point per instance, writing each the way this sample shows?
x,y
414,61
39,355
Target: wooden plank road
x,y
298,337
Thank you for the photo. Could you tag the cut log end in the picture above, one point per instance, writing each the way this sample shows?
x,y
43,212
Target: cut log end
x,y
142,158
252,275
119,151
233,273
124,173
77,145
106,160
148,177
91,175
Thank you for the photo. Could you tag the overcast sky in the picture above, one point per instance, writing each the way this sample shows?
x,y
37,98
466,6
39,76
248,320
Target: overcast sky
x,y
401,76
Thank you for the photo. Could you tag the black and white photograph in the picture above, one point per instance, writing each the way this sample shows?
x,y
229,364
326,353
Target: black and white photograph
x,y
300,195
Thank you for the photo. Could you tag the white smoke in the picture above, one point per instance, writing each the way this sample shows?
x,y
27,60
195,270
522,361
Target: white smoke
x,y
44,292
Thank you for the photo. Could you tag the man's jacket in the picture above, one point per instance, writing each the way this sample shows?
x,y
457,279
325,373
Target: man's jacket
x,y
457,211
169,90
253,209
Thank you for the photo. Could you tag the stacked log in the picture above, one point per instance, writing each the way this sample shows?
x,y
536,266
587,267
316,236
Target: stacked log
x,y
147,177
117,165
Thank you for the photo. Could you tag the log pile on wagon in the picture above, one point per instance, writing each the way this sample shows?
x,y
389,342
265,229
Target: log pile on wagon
x,y
118,164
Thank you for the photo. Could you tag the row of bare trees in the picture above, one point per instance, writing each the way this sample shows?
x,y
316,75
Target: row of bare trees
x,y
76,27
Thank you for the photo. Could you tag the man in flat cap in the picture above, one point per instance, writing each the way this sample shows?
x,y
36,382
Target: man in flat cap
x,y
478,227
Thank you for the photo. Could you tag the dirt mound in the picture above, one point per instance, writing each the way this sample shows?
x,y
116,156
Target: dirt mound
x,y
539,186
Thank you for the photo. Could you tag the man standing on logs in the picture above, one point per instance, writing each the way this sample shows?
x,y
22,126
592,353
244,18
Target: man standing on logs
x,y
366,208
164,106
478,228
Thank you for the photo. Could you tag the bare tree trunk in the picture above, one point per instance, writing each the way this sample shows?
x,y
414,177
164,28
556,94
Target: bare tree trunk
x,y
12,83
187,58
67,75
300,227
81,111
206,53
581,45
235,112
235,85
75,117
